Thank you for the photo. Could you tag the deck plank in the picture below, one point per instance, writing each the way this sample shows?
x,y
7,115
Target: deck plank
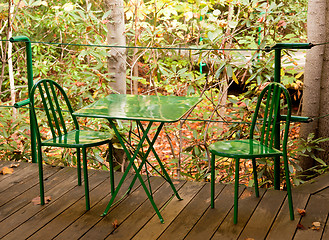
x,y
25,213
154,228
6,164
23,171
127,228
25,198
24,185
50,211
324,192
326,230
76,210
283,227
92,217
3,163
264,215
190,215
118,220
316,211
99,227
133,217
314,185
247,205
210,221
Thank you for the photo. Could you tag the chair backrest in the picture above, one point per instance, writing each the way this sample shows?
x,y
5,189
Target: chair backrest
x,y
50,98
272,100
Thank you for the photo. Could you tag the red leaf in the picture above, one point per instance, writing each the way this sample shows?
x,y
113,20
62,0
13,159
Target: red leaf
x,y
301,212
115,224
37,201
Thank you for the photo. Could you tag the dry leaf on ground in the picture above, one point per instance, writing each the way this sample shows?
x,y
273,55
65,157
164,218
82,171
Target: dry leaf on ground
x,y
14,165
246,194
316,226
37,201
301,212
115,224
6,170
300,226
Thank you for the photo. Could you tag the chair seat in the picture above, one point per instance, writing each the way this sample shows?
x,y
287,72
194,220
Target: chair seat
x,y
79,138
245,148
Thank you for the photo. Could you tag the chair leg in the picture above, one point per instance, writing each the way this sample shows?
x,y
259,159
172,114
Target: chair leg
x,y
110,159
277,173
79,166
236,190
212,180
286,169
85,174
41,184
254,169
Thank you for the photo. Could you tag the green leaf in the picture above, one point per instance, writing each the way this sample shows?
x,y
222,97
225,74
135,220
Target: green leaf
x,y
299,75
216,12
233,24
105,16
195,134
204,10
229,70
319,160
220,70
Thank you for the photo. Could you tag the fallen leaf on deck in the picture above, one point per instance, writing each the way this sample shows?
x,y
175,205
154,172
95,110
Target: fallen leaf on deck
x,y
301,212
250,239
246,194
316,226
6,170
300,226
115,224
37,201
176,182
14,165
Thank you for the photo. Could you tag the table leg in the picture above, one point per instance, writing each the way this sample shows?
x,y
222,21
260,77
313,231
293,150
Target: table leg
x,y
110,160
148,150
132,164
151,144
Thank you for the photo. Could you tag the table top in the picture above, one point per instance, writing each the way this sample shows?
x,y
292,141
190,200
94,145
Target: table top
x,y
140,107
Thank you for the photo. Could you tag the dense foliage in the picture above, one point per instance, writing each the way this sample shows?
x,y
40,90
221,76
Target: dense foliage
x,y
167,29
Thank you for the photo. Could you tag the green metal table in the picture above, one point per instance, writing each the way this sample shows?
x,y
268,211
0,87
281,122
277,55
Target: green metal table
x,y
160,109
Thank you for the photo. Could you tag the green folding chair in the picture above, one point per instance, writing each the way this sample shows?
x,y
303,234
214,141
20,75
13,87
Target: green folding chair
x,y
262,146
49,100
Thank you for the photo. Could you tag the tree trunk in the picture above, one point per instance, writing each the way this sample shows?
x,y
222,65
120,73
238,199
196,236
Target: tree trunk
x,y
316,76
10,61
323,128
117,60
115,36
135,58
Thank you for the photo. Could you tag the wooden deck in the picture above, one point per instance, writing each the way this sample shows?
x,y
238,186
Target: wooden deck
x,y
64,217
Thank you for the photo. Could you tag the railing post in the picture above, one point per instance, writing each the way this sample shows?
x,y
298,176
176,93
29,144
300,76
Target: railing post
x,y
29,85
277,78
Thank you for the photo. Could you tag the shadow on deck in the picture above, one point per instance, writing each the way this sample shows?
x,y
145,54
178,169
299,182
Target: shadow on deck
x,y
64,217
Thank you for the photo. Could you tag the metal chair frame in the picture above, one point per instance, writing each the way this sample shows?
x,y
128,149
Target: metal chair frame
x,y
62,136
267,145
